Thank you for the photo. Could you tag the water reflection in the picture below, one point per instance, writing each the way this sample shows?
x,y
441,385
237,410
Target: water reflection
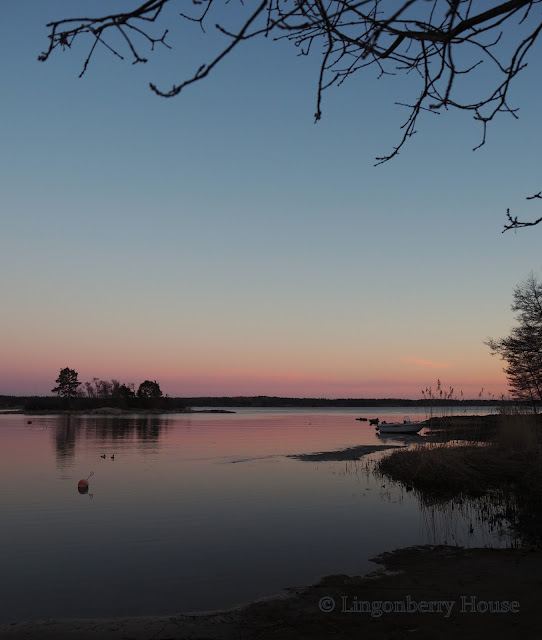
x,y
397,438
64,436
71,431
482,521
473,522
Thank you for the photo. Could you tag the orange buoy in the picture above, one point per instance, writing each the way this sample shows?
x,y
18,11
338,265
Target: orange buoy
x,y
82,486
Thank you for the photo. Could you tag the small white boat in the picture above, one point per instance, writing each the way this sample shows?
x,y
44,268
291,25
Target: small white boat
x,y
401,427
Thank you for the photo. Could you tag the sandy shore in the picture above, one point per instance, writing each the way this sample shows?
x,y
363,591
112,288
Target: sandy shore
x,y
428,592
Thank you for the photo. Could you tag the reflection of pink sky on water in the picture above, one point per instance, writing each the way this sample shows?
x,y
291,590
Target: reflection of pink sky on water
x,y
248,435
243,434
195,512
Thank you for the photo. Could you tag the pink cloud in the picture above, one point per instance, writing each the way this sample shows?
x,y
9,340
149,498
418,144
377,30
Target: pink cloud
x,y
426,363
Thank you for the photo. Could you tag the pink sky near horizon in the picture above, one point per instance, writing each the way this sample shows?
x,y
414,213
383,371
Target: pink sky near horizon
x,y
412,377
229,357
285,352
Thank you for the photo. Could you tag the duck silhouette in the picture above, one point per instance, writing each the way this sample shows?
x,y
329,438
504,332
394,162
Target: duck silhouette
x,y
113,457
103,456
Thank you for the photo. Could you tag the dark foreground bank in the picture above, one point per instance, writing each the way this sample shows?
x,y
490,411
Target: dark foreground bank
x,y
443,592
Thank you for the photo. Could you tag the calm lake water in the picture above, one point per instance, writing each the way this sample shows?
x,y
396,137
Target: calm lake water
x,y
196,512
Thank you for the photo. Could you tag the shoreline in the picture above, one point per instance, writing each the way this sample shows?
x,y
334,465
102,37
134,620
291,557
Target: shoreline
x,y
406,577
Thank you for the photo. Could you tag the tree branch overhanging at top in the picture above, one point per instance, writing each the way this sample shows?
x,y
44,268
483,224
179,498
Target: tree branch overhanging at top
x,y
441,41
514,223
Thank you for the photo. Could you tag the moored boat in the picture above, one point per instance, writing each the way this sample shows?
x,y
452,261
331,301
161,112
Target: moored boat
x,y
401,427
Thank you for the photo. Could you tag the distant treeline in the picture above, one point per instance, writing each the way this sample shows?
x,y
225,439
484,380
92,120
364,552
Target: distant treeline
x,y
52,403
275,401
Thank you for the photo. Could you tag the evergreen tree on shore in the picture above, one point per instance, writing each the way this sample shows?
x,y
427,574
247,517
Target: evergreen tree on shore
x,y
67,383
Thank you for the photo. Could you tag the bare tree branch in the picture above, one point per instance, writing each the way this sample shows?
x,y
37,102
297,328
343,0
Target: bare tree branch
x,y
441,41
514,223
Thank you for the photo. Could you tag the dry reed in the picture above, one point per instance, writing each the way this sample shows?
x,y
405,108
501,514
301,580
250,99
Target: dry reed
x,y
507,464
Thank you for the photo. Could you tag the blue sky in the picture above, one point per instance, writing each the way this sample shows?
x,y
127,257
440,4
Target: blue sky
x,y
221,242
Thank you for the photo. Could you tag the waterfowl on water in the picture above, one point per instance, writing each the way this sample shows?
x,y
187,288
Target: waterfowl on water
x,y
103,456
113,457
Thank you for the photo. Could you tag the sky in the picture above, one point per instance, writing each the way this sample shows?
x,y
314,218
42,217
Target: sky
x,y
223,243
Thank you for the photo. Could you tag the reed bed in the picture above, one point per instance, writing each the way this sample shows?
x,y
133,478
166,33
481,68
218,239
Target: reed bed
x,y
504,460
471,469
